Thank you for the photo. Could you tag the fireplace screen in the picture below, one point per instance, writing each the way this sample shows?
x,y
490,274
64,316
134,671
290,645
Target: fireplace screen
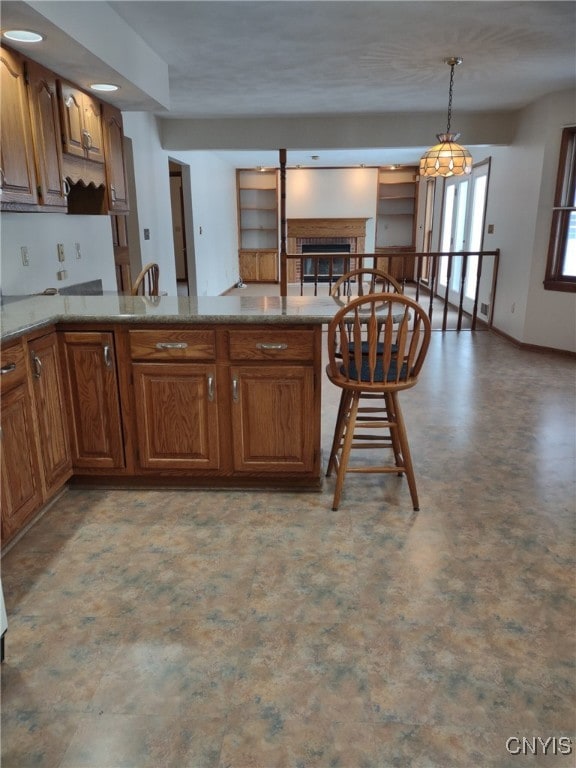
x,y
326,269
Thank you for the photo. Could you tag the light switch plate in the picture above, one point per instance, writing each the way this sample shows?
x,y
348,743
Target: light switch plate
x,y
60,249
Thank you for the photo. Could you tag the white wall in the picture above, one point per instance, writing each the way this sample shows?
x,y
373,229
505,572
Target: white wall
x,y
152,183
40,233
519,205
214,213
334,193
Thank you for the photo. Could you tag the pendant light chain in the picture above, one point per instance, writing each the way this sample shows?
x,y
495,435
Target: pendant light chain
x,y
450,97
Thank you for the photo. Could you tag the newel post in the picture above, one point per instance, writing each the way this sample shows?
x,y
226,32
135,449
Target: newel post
x,y
283,259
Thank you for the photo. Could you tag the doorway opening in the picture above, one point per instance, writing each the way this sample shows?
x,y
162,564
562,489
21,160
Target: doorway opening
x,y
182,230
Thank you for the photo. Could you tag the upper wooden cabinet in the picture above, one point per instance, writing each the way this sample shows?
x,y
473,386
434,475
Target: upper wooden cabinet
x,y
54,133
81,117
115,165
17,168
46,132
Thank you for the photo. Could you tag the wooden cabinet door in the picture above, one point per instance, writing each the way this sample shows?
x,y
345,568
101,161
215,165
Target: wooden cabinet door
x,y
81,123
177,416
50,412
21,490
268,267
92,392
249,266
93,127
72,119
17,168
273,422
47,134
115,168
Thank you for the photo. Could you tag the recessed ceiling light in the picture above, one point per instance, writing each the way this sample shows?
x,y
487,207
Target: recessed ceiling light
x,y
104,87
23,36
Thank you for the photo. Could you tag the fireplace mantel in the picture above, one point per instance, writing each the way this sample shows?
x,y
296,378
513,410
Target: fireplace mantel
x,y
326,227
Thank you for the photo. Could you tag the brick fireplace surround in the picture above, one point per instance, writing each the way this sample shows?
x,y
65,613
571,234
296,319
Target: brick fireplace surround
x,y
339,231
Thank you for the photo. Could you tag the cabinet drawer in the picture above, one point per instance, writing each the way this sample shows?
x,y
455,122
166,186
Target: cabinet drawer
x,y
172,345
12,366
271,345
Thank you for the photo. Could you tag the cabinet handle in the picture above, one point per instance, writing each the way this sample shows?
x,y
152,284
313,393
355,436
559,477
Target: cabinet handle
x,y
107,356
171,345
113,193
65,187
7,368
210,389
268,346
37,364
1,177
235,397
86,140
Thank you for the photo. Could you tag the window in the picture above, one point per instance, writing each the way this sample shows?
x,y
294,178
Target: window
x,y
561,265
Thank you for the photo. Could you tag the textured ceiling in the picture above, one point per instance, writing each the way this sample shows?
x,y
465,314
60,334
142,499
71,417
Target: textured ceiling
x,y
315,58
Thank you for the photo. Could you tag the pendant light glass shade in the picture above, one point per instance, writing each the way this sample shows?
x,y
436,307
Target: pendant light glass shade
x,y
447,158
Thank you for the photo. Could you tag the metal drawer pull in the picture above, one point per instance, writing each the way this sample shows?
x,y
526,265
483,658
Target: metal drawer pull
x,y
107,356
37,363
235,389
7,368
171,345
210,389
267,345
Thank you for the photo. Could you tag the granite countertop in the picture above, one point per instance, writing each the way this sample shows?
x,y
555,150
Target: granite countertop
x,y
33,312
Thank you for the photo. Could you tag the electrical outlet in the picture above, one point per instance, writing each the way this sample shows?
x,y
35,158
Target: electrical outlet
x,y
24,255
78,250
484,309
490,229
62,274
146,234
60,249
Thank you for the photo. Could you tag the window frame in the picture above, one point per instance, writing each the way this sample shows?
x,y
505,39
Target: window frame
x,y
563,196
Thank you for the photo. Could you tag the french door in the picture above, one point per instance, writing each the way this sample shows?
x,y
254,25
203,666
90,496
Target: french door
x,y
463,216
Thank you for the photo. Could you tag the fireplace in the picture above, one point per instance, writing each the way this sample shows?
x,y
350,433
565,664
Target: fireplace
x,y
307,236
328,269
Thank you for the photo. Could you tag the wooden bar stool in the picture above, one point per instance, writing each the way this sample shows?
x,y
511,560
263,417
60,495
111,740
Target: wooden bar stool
x,y
376,346
146,284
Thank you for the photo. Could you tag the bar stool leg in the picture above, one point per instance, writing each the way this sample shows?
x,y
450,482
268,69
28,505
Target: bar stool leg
x,y
396,445
403,439
343,407
350,421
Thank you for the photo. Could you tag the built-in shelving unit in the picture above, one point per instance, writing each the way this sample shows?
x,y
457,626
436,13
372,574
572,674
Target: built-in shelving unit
x,y
396,219
257,193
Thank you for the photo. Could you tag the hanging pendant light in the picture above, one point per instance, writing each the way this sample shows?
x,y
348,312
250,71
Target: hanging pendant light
x,y
447,158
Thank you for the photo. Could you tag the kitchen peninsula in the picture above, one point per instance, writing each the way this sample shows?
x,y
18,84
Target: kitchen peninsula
x,y
158,392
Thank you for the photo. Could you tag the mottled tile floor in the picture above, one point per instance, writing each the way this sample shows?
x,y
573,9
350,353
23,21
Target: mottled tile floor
x,y
192,629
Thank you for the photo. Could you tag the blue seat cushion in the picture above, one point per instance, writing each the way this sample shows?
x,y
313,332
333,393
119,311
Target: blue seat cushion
x,y
378,371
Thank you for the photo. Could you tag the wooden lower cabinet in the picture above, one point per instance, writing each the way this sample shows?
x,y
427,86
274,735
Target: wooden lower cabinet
x,y
21,489
272,418
176,416
94,407
50,406
400,266
259,266
234,402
